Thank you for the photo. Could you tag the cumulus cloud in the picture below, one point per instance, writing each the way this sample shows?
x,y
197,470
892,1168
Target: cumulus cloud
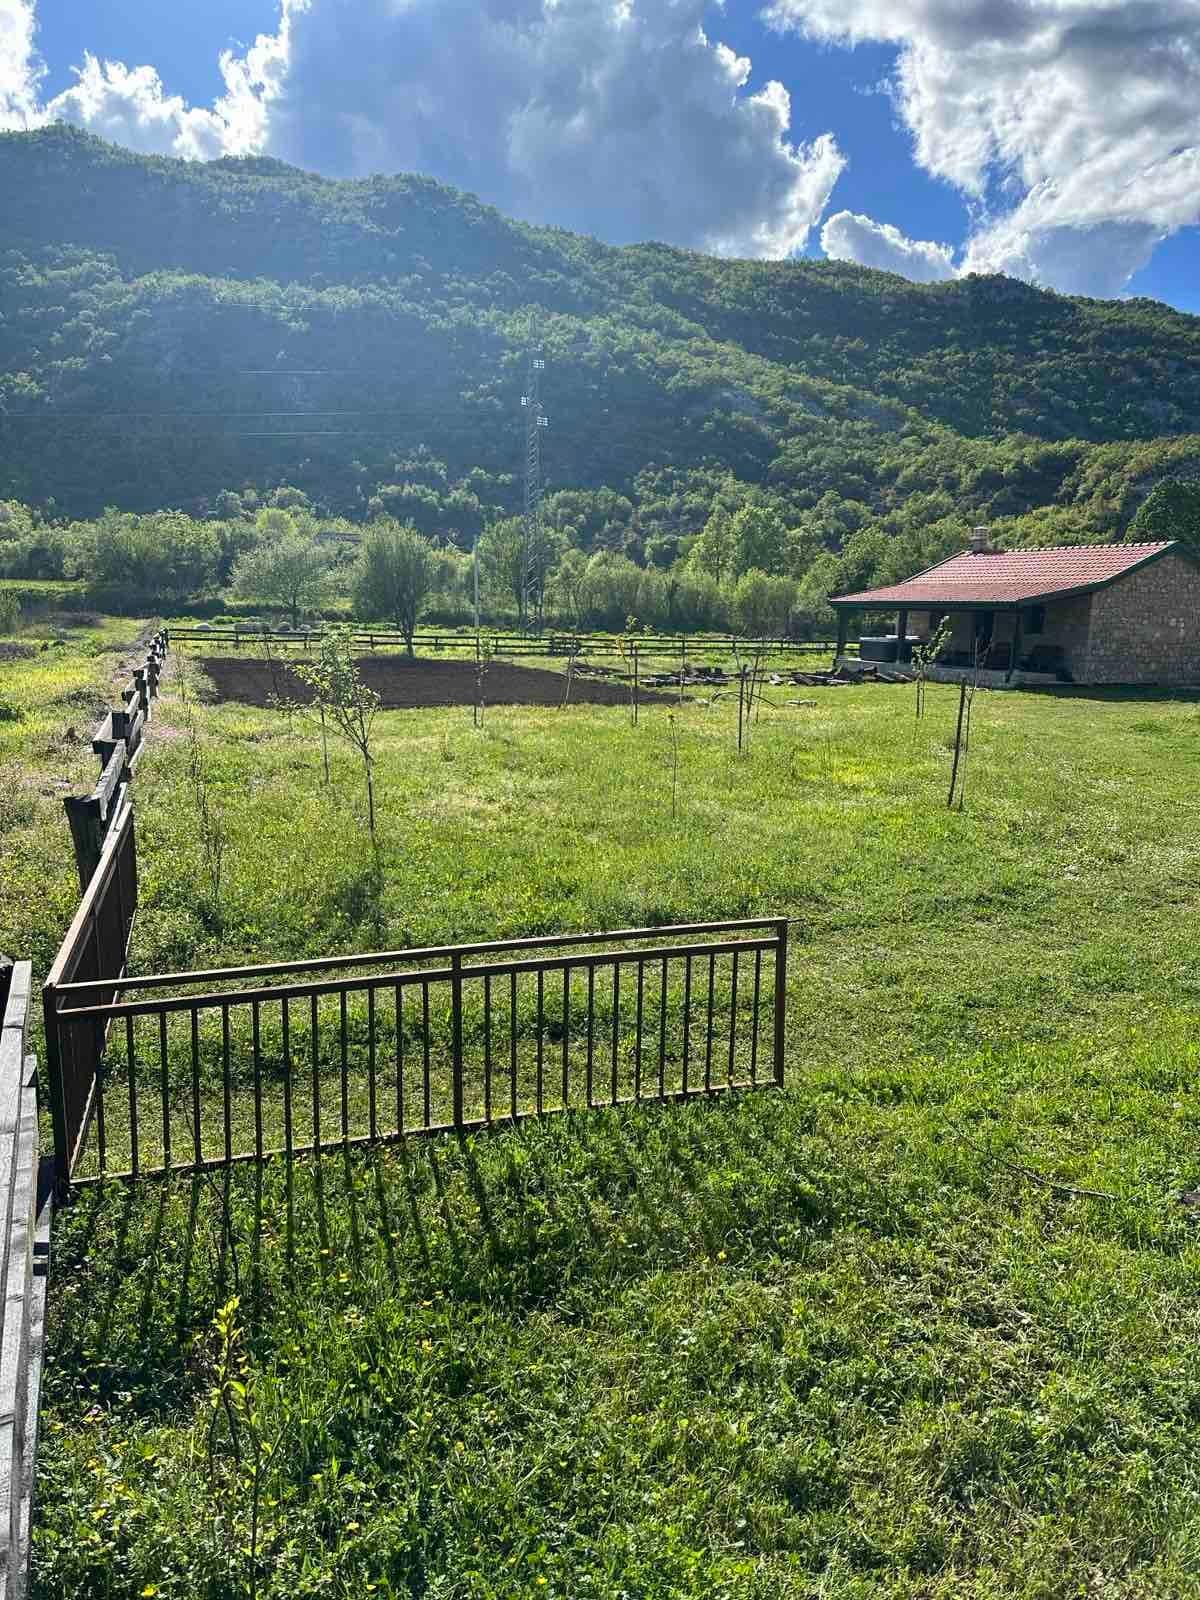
x,y
1071,126
622,119
615,117
849,236
130,106
19,72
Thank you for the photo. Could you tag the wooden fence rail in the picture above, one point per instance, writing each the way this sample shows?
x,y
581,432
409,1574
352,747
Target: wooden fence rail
x,y
509,645
24,1261
118,743
304,1056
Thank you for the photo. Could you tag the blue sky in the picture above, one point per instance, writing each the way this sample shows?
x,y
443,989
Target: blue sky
x,y
926,136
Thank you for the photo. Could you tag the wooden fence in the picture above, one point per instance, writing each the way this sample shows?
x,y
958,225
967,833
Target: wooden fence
x,y
118,743
24,1261
367,1048
507,644
94,951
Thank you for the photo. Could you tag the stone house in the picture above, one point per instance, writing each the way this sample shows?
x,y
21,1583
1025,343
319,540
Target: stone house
x,y
1097,613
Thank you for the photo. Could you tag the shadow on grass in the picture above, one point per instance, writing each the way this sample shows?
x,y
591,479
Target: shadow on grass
x,y
1115,693
589,1200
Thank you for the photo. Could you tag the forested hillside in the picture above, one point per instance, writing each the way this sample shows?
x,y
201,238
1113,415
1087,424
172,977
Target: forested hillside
x,y
172,334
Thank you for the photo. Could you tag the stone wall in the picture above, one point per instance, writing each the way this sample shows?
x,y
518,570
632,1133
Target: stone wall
x,y
1146,627
1069,625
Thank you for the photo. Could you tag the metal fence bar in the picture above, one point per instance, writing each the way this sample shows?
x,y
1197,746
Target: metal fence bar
x,y
553,941
455,1045
285,1025
372,1110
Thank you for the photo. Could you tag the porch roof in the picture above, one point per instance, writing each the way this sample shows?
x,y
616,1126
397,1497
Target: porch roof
x,y
1006,579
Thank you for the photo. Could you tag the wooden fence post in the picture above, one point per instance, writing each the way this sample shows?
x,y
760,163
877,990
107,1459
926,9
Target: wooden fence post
x,y
87,834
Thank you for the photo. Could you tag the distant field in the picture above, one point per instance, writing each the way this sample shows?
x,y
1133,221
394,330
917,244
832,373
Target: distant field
x,y
864,1338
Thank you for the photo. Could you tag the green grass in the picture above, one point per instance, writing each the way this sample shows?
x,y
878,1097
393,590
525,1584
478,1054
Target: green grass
x,y
857,1339
52,694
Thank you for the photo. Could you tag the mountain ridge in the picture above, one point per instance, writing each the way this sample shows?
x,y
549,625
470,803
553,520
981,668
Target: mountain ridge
x,y
151,309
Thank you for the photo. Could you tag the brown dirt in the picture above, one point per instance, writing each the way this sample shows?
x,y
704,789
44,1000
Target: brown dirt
x,y
404,685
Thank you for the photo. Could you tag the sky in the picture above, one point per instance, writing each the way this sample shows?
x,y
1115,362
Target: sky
x,y
1054,140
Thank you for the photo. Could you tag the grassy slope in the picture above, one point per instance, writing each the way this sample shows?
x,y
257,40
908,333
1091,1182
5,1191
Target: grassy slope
x,y
835,1342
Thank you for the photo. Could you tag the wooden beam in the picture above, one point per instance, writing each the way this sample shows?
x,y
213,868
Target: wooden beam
x,y
843,623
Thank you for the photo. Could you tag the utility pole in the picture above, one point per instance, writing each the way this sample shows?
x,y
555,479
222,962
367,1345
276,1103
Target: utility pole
x,y
535,420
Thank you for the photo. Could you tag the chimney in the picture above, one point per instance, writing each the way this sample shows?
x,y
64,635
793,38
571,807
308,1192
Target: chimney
x,y
979,542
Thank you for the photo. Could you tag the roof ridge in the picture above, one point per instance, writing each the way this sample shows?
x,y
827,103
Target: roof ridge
x,y
1058,549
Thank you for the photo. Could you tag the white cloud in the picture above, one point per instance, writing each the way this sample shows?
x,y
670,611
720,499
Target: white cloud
x,y
623,120
614,117
849,236
129,106
19,73
1073,126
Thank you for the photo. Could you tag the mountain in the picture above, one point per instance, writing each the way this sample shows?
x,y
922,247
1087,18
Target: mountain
x,y
170,330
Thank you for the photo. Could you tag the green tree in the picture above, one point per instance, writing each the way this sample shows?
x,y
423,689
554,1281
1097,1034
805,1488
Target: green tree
x,y
1170,511
762,604
571,586
758,539
165,556
712,553
517,569
290,573
396,570
276,522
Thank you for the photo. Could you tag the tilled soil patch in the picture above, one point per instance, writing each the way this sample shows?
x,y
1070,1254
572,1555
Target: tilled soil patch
x,y
402,684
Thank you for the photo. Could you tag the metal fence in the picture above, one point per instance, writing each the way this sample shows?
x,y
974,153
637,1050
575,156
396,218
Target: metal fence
x,y
94,952
189,1070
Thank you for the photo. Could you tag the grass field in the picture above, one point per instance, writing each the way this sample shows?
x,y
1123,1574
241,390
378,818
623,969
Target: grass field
x,y
869,1337
56,679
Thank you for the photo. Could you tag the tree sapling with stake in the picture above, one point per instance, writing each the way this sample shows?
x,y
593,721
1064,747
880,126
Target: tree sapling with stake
x,y
341,696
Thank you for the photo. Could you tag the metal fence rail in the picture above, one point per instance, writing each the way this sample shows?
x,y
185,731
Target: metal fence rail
x,y
367,1048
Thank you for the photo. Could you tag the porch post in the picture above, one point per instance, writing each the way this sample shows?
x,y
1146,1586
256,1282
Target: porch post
x,y
1016,645
901,636
842,620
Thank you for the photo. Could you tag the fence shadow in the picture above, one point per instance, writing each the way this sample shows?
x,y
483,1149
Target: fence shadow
x,y
508,1218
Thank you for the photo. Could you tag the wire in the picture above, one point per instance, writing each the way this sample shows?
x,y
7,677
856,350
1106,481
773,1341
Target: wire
x,y
91,416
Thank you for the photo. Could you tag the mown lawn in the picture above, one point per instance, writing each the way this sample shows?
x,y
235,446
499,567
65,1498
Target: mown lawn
x,y
864,1337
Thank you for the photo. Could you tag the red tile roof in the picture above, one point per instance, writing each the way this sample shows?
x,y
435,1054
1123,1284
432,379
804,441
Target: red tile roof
x,y
1010,577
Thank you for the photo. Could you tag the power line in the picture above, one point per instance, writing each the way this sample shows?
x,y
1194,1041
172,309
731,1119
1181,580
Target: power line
x,y
143,416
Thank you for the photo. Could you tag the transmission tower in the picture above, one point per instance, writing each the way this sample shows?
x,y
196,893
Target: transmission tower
x,y
535,420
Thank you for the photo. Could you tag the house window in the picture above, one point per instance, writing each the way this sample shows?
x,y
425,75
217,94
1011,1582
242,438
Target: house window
x,y
1035,622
